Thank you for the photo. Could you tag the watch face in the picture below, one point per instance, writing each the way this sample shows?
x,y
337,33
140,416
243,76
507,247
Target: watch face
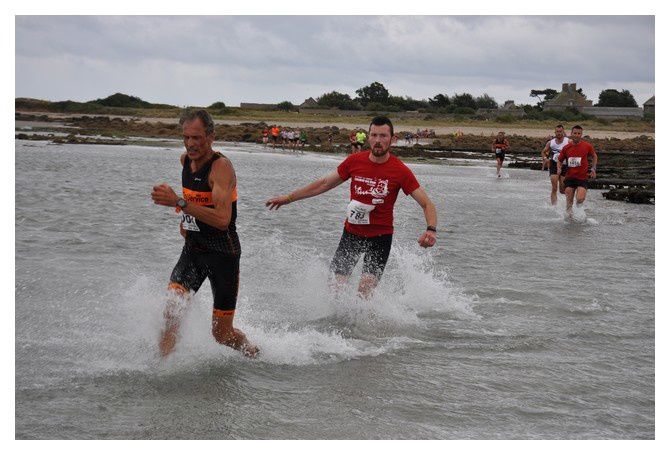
x,y
181,203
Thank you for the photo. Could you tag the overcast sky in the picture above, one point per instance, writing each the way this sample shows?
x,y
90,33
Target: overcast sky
x,y
197,60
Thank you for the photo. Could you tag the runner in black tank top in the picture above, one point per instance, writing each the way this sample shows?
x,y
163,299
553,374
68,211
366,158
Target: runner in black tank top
x,y
499,147
208,212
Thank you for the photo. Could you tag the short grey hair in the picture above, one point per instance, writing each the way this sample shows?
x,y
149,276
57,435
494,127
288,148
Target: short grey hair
x,y
203,115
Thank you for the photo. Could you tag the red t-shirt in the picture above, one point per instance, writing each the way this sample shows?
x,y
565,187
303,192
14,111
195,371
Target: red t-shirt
x,y
374,190
577,156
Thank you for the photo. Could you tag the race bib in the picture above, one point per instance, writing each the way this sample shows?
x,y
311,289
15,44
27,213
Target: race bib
x,y
574,161
188,222
555,157
498,150
359,213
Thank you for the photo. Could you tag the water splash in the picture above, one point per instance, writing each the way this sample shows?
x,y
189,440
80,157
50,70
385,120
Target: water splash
x,y
288,308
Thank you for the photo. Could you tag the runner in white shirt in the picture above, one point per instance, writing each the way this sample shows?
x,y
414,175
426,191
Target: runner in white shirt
x,y
550,152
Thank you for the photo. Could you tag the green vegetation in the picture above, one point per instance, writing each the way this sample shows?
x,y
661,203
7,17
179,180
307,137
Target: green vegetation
x,y
373,93
547,94
614,98
286,106
440,110
117,103
338,100
218,108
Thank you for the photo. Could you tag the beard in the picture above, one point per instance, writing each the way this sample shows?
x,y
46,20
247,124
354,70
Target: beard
x,y
380,151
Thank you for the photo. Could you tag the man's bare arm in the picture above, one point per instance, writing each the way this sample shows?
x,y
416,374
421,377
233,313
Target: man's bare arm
x,y
325,183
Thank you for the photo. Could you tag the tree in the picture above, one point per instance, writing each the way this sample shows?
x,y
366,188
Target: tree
x,y
547,94
406,103
218,108
463,100
439,100
614,98
286,106
373,93
486,102
123,100
338,100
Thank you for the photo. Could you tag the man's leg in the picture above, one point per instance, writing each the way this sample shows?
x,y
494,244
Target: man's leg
x,y
498,165
554,188
224,277
569,195
375,259
224,333
580,194
344,260
561,179
175,309
185,279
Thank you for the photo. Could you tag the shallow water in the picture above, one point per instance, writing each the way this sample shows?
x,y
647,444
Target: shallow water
x,y
518,324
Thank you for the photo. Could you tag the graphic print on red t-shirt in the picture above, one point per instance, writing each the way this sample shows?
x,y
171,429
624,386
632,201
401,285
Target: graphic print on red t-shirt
x,y
373,191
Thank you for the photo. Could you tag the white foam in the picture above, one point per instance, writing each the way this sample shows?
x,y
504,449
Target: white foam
x,y
287,308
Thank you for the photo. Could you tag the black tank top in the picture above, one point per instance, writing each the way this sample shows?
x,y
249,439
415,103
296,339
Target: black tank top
x,y
196,190
502,144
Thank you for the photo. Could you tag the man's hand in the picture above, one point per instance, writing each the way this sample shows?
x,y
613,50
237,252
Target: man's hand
x,y
593,173
164,195
427,239
278,201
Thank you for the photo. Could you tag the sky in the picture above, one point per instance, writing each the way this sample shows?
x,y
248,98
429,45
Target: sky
x,y
199,60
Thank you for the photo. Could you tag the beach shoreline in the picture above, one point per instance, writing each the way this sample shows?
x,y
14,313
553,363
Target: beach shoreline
x,y
400,125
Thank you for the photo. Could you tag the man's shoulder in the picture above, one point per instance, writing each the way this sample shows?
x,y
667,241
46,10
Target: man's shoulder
x,y
221,162
395,161
358,156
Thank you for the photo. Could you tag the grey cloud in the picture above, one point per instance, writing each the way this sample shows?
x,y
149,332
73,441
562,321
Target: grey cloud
x,y
263,58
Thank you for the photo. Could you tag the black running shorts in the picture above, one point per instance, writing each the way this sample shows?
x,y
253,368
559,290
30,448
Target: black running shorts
x,y
575,183
375,250
222,270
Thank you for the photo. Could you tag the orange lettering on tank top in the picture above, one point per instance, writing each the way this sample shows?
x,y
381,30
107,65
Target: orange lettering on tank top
x,y
198,197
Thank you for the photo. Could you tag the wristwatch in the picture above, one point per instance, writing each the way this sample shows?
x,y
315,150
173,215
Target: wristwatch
x,y
181,203
431,228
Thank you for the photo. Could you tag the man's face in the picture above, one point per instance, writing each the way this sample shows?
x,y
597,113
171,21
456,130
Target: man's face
x,y
501,135
380,139
560,133
576,135
196,141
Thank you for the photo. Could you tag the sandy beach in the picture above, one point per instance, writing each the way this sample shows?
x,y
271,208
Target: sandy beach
x,y
399,126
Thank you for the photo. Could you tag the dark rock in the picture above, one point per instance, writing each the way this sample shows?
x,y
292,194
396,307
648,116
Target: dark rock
x,y
633,195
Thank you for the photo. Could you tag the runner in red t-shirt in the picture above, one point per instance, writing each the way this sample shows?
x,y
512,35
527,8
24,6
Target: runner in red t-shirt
x,y
577,154
377,177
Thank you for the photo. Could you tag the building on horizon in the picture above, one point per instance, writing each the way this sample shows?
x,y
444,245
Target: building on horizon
x,y
569,96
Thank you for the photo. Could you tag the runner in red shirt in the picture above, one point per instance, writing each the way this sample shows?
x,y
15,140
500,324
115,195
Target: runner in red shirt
x,y
377,177
577,153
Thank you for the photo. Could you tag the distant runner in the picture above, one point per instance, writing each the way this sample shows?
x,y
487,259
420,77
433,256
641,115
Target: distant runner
x,y
576,154
265,137
551,151
353,142
377,176
360,139
211,248
499,147
274,131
